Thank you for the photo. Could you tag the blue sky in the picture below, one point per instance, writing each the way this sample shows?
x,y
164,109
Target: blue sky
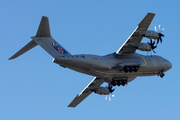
x,y
33,87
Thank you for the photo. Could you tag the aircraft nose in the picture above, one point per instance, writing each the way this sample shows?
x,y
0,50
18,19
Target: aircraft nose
x,y
168,65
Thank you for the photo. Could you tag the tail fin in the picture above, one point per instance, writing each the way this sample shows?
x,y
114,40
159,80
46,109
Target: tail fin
x,y
44,29
44,39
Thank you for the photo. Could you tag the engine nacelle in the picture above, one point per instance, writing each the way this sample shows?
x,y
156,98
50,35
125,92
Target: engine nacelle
x,y
150,34
102,91
144,47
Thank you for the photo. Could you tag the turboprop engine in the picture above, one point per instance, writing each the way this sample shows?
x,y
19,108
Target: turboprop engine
x,y
151,34
156,35
102,91
144,47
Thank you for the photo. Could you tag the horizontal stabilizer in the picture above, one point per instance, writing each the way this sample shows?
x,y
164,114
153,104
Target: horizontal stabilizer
x,y
44,29
27,47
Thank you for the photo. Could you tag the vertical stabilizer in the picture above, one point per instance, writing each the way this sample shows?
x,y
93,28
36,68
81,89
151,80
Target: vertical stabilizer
x,y
44,29
44,39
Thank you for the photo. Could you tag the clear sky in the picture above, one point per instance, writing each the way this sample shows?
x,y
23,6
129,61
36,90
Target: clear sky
x,y
32,87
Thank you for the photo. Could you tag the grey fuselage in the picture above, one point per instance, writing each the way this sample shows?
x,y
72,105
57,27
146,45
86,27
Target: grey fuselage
x,y
111,66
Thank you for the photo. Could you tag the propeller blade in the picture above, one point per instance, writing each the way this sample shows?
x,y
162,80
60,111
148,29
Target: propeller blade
x,y
155,28
159,28
161,35
106,97
162,30
157,40
150,42
160,39
109,98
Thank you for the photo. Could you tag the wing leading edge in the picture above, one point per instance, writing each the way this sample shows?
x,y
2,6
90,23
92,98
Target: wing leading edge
x,y
94,84
135,38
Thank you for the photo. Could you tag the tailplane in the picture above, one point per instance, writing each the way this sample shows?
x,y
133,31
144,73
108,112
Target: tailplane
x,y
44,39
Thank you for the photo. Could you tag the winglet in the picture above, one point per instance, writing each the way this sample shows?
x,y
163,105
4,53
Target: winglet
x,y
44,29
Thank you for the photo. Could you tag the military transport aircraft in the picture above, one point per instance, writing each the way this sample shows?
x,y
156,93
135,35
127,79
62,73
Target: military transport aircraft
x,y
117,68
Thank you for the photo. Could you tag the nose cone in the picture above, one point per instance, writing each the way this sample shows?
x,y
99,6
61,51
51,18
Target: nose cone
x,y
168,65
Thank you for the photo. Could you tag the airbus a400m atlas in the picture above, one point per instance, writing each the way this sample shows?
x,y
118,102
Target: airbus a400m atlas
x,y
117,68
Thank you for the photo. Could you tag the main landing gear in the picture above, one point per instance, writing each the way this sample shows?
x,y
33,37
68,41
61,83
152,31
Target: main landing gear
x,y
119,82
131,69
116,82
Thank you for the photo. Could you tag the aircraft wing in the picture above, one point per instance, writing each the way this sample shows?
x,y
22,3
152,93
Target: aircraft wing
x,y
136,37
95,83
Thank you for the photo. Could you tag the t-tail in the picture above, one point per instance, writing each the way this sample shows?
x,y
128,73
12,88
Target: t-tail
x,y
44,39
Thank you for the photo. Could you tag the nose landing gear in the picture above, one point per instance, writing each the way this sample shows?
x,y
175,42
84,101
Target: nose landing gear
x,y
161,74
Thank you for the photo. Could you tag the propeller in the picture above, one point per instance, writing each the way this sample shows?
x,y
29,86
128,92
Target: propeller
x,y
159,33
152,45
109,97
110,90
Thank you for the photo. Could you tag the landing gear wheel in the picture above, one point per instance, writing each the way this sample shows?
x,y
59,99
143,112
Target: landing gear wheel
x,y
161,74
113,83
131,69
123,84
126,69
136,68
118,83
